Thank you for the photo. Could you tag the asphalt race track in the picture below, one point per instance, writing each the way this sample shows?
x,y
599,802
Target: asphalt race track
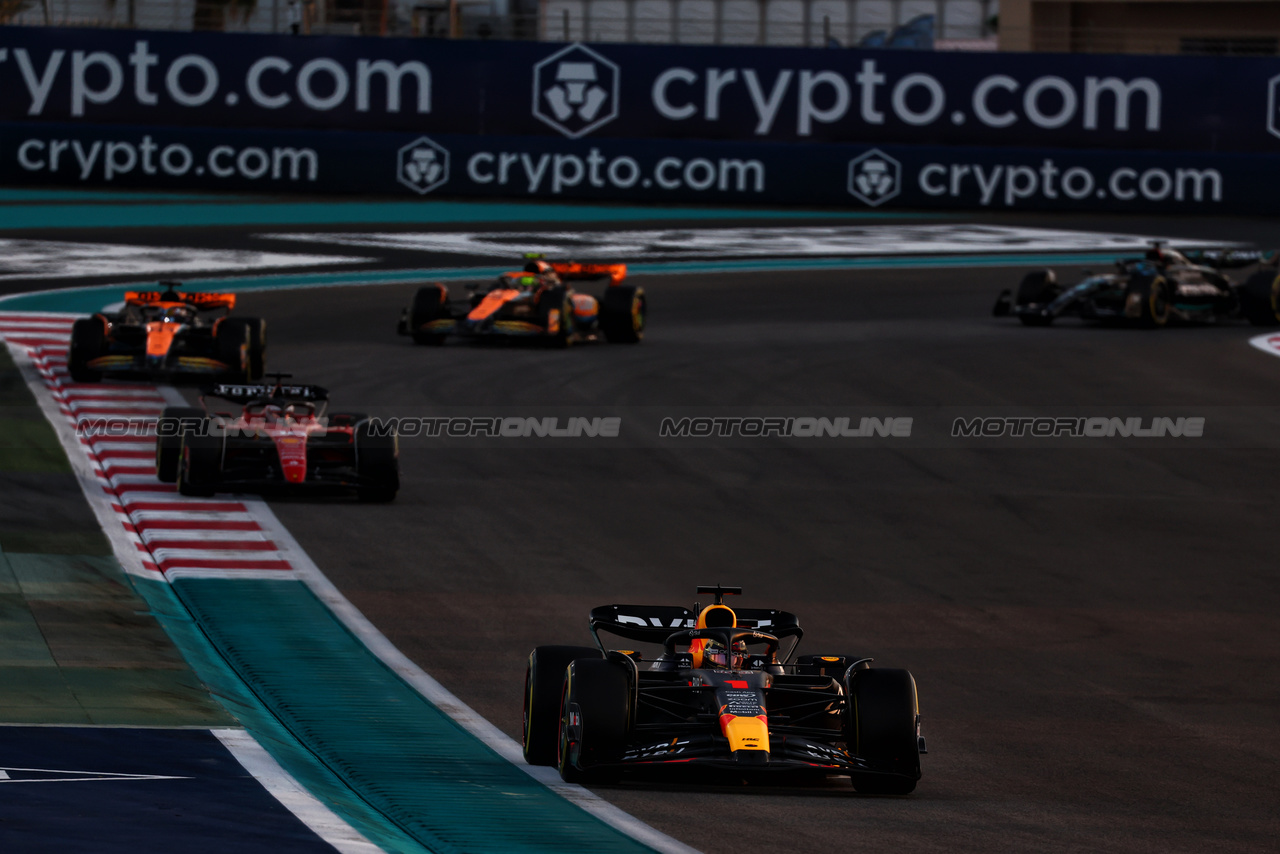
x,y
1094,624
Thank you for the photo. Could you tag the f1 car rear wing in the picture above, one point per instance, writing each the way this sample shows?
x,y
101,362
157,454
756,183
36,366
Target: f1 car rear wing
x,y
1227,259
571,270
245,392
574,271
203,302
655,623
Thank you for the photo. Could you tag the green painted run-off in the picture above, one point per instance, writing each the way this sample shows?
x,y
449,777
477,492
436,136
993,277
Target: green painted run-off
x,y
392,764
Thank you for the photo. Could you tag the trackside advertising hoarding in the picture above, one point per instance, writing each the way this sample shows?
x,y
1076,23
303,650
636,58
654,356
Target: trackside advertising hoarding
x,y
634,122
639,91
884,177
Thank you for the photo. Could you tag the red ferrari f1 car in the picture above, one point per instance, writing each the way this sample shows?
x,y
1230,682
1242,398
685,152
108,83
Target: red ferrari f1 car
x,y
720,694
535,303
280,441
168,334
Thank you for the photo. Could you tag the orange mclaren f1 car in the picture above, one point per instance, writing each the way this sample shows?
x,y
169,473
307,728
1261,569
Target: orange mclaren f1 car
x,y
168,334
722,694
534,303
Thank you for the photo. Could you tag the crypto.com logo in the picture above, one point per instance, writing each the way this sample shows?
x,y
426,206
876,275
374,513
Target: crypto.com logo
x,y
874,177
575,90
1273,105
423,165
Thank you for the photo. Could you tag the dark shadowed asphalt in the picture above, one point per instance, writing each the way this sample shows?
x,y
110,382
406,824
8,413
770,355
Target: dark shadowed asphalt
x,y
1092,624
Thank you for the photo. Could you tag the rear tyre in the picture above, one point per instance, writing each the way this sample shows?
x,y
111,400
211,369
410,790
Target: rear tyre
x,y
174,423
1039,288
1151,296
199,466
594,712
257,353
429,303
624,310
234,350
88,341
377,465
883,712
543,683
1260,298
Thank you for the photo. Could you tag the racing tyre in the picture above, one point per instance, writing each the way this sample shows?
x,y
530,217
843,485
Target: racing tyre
x,y
174,423
377,465
555,312
623,313
1038,288
1147,299
594,711
883,715
1260,298
199,465
234,349
88,341
429,303
543,682
257,352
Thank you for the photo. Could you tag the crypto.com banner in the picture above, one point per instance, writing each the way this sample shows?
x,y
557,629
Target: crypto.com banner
x,y
434,86
885,177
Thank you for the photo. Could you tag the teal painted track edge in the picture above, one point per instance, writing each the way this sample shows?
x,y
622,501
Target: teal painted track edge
x,y
226,687
383,757
328,212
90,299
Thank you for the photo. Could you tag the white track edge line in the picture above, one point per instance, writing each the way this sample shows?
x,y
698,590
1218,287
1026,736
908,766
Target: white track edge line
x,y
285,789
445,700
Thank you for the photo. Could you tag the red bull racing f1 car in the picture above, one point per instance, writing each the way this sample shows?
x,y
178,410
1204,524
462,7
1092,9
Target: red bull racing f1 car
x,y
721,694
168,335
280,441
1161,287
535,303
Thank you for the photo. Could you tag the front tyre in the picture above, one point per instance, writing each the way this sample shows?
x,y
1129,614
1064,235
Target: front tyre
x,y
555,315
174,423
88,342
200,465
1037,289
1147,299
883,730
544,678
595,711
377,464
429,303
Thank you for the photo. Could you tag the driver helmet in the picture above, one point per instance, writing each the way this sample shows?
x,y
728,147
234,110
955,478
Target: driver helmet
x,y
711,653
175,314
715,655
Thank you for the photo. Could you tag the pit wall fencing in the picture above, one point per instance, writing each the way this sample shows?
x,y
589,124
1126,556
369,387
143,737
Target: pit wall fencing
x,y
631,123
